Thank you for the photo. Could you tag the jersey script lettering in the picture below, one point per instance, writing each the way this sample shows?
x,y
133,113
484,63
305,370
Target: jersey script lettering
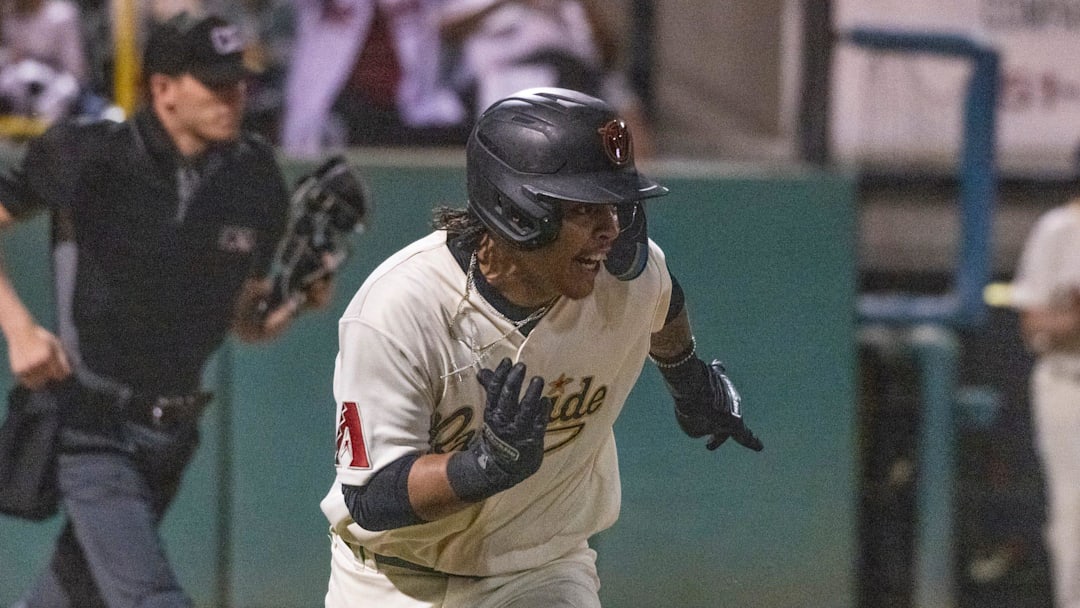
x,y
569,412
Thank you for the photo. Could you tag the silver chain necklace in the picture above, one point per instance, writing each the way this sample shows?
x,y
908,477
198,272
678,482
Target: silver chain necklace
x,y
480,353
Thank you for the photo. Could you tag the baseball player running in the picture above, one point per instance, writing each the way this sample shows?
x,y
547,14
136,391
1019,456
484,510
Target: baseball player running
x,y
482,367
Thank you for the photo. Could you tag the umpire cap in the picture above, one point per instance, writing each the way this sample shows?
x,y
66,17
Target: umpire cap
x,y
538,146
208,47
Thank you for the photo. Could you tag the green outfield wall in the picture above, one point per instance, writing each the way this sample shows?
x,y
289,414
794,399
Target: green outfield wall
x,y
767,260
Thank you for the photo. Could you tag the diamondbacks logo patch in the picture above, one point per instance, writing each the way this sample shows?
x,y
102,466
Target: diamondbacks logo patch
x,y
615,139
351,448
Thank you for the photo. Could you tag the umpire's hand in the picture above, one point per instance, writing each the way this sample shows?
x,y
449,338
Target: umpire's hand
x,y
253,323
36,355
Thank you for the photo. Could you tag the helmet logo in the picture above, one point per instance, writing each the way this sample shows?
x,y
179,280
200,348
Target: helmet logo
x,y
615,139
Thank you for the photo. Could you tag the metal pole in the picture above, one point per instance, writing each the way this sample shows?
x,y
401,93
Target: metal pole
x,y
643,51
935,350
125,21
817,46
223,572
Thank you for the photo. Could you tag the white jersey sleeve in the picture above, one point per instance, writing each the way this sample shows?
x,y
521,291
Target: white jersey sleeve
x,y
382,386
1049,267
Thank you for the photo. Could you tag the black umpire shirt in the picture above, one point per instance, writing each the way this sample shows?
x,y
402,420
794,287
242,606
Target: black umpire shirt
x,y
150,250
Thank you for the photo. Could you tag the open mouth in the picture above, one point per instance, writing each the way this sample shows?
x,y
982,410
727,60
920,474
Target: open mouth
x,y
591,262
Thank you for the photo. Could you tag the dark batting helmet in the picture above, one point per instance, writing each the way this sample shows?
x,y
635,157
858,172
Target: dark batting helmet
x,y
539,146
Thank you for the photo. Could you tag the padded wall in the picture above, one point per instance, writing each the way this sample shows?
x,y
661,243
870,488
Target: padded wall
x,y
767,262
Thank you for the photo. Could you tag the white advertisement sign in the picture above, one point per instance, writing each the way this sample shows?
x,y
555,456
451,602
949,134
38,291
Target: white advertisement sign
x,y
901,110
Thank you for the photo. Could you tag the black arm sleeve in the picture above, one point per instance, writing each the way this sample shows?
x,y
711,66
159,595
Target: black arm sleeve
x,y
678,300
685,382
383,504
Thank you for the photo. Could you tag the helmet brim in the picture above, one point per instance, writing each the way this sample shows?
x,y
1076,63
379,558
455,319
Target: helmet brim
x,y
600,188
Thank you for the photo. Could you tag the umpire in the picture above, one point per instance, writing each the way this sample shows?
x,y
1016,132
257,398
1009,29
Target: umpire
x,y
164,227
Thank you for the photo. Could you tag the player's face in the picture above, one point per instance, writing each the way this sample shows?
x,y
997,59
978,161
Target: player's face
x,y
198,115
568,266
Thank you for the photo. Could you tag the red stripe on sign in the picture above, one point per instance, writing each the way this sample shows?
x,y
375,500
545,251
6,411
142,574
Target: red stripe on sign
x,y
350,438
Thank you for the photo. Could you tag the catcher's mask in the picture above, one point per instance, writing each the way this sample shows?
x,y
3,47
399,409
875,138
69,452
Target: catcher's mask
x,y
539,146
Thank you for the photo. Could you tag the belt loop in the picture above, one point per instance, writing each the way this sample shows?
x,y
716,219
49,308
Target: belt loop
x,y
369,559
365,557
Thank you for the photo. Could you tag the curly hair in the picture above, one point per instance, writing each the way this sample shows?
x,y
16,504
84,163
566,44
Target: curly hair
x,y
461,223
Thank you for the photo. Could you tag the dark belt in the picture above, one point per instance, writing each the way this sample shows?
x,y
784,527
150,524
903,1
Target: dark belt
x,y
387,560
397,562
166,410
112,399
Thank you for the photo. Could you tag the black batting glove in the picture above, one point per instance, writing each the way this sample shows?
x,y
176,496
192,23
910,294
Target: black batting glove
x,y
510,445
726,412
706,403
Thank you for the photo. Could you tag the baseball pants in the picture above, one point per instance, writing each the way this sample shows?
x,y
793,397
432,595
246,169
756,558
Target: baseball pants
x,y
358,579
115,488
1055,396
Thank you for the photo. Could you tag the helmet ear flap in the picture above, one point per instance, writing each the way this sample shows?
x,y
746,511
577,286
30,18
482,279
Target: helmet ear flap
x,y
630,252
524,226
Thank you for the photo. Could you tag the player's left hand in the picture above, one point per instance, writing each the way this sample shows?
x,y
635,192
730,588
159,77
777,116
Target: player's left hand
x,y
727,419
716,410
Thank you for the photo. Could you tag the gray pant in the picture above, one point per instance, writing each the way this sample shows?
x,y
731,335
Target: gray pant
x,y
116,480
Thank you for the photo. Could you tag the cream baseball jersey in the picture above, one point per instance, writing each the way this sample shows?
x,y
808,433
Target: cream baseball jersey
x,y
1048,270
410,344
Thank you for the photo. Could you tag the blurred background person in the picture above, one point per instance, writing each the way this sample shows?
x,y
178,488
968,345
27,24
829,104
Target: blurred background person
x,y
43,63
330,36
1046,290
204,205
503,46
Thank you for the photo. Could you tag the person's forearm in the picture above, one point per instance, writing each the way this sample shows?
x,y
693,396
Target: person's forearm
x,y
1047,330
251,323
15,319
674,339
34,354
14,316
411,490
384,503
429,488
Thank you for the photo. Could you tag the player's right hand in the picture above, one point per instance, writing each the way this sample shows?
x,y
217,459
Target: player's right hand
x,y
514,429
37,357
509,447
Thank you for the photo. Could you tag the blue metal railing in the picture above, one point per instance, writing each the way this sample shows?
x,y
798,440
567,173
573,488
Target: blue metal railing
x,y
923,325
963,305
934,350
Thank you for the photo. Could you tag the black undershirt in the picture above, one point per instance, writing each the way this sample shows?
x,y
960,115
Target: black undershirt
x,y
463,254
